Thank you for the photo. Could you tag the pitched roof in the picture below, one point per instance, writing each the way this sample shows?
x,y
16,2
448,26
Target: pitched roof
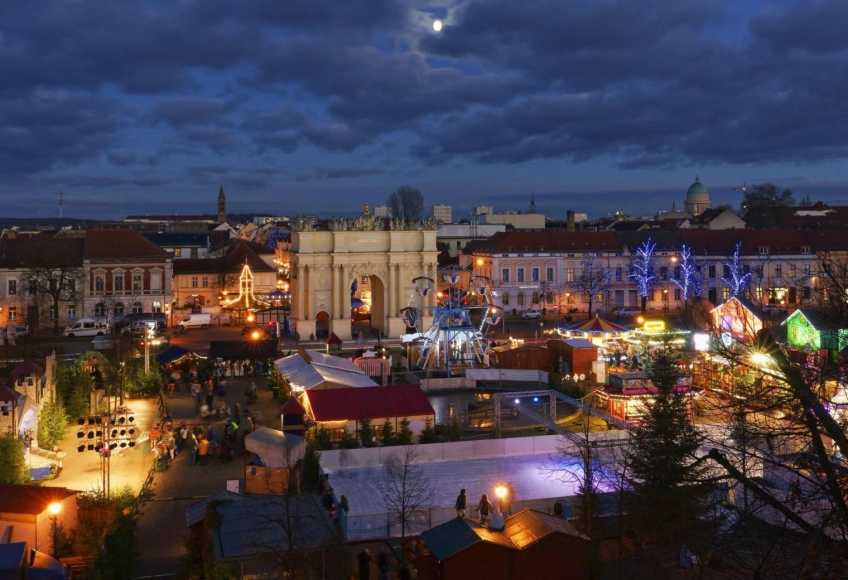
x,y
292,407
30,499
27,368
232,263
33,251
8,394
368,402
178,238
520,531
121,244
816,319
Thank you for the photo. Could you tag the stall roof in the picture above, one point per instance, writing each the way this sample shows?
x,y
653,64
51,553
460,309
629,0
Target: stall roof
x,y
30,499
196,513
369,403
234,349
269,444
310,369
171,354
579,343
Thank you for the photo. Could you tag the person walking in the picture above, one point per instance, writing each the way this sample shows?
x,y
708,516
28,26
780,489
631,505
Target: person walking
x,y
364,558
461,502
385,565
191,445
484,507
203,450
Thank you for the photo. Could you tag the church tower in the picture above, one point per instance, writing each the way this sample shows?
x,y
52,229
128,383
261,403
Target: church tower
x,y
532,203
697,198
222,205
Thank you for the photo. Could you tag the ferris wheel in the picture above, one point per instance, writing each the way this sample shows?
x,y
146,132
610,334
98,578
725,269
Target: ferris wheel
x,y
462,312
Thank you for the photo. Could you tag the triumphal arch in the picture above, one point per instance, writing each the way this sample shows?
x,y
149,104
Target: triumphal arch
x,y
328,267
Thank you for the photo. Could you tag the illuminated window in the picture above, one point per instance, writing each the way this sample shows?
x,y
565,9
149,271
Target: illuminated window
x,y
569,274
519,275
137,282
521,298
505,275
99,284
13,287
505,299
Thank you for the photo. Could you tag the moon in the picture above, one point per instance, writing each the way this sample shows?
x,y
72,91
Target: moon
x,y
437,25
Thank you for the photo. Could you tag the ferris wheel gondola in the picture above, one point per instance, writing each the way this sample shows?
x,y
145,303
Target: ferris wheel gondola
x,y
462,313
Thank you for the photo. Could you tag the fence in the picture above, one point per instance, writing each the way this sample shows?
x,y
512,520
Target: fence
x,y
373,456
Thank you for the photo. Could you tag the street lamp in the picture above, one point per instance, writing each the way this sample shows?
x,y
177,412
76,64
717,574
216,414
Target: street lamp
x,y
149,338
54,509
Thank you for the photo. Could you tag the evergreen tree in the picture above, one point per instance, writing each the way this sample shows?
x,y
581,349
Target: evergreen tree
x,y
665,478
404,436
387,434
52,423
13,469
428,434
366,432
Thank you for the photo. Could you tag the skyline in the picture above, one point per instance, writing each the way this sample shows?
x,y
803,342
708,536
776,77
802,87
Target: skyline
x,y
604,107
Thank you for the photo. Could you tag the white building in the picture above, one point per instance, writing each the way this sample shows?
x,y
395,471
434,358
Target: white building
x,y
443,214
382,211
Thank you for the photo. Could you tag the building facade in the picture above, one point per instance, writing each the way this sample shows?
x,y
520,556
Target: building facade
x,y
443,214
785,268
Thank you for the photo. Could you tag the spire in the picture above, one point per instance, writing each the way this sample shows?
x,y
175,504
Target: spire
x,y
697,177
222,205
221,192
532,203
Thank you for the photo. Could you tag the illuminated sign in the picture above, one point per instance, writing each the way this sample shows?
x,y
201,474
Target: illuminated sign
x,y
654,326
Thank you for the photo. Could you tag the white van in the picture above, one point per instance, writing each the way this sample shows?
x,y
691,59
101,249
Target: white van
x,y
195,320
88,327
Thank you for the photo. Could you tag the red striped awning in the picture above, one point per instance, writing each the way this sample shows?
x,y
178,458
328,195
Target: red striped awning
x,y
597,325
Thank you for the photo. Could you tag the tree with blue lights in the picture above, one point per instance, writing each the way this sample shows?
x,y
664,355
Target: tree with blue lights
x,y
738,279
689,277
594,278
642,271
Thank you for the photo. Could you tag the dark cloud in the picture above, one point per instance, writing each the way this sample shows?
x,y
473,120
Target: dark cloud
x,y
644,83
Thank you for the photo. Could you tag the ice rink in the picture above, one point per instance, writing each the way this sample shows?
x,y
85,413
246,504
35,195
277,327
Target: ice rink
x,y
525,473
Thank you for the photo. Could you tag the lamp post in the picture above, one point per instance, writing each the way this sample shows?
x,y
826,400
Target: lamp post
x,y
148,339
54,509
123,364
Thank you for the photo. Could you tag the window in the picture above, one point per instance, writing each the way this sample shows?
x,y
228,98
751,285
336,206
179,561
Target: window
x,y
505,299
194,281
119,282
805,294
118,310
807,270
458,244
99,284
137,282
157,306
204,281
521,298
652,295
13,313
778,271
178,252
549,297
664,272
711,271
137,308
33,286
677,294
618,274
13,287
549,274
51,314
764,250
758,293
72,285
726,271
791,270
725,292
519,275
534,274
805,249
569,275
193,252
759,271
72,312
155,280
505,275
100,309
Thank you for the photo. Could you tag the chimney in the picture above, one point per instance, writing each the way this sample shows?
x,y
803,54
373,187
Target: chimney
x,y
570,220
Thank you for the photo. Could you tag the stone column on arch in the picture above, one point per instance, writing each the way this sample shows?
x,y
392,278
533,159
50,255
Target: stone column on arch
x,y
301,291
337,298
392,290
345,286
307,299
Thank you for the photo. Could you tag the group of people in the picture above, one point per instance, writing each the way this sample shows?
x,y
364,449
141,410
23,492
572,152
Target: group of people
x,y
484,508
221,441
384,564
328,500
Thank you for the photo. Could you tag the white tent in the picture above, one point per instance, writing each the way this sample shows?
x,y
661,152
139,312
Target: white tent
x,y
275,448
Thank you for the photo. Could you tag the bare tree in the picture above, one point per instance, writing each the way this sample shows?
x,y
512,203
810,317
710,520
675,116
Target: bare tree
x,y
405,491
642,270
406,203
54,271
594,278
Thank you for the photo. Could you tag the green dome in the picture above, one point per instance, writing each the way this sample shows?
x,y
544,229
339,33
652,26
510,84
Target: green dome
x,y
697,188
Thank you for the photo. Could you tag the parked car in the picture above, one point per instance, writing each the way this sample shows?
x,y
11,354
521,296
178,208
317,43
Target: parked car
x,y
628,312
531,314
774,309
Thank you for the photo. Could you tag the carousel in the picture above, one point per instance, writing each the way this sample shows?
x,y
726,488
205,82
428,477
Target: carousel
x,y
607,335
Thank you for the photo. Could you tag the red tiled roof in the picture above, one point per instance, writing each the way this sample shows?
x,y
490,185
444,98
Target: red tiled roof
x,y
120,244
172,218
232,263
30,499
34,251
368,403
27,368
8,394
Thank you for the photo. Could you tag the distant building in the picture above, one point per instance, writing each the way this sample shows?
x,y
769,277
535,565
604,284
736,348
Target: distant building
x,y
222,205
697,198
481,210
382,211
717,219
443,214
456,236
518,220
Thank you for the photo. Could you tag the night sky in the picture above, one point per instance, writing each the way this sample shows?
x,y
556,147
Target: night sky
x,y
322,106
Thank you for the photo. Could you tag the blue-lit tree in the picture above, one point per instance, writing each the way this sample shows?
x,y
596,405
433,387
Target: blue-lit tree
x,y
594,278
690,278
738,279
642,271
